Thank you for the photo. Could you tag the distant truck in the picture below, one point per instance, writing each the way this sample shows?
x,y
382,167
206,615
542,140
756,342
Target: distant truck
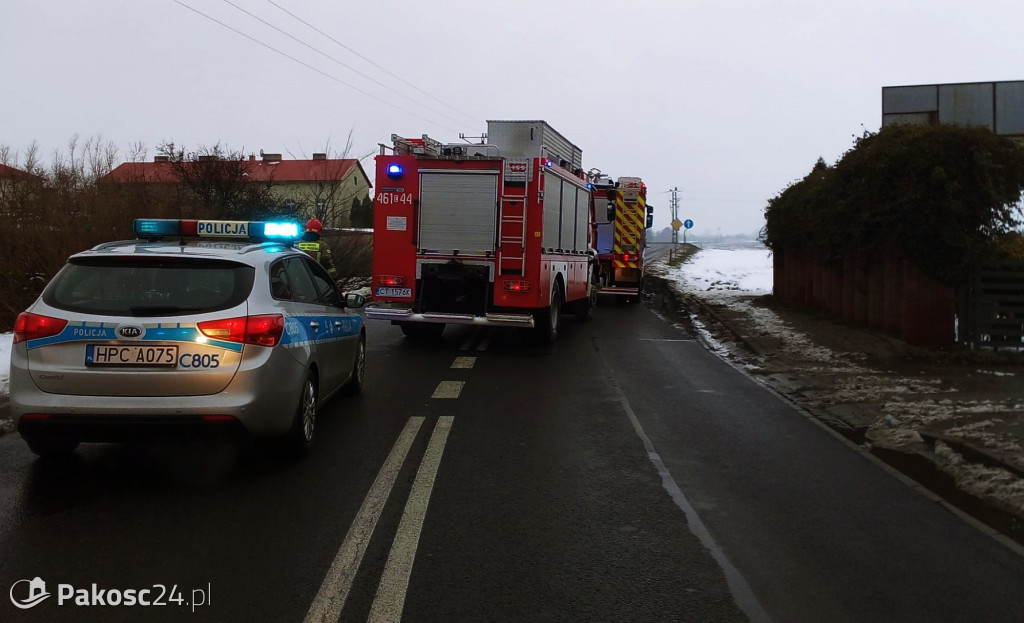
x,y
621,234
493,234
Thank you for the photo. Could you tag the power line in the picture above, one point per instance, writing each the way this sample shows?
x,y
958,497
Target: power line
x,y
308,66
384,69
348,67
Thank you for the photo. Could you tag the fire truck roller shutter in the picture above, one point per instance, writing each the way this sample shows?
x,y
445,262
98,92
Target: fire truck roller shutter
x,y
568,229
582,220
552,210
575,217
458,212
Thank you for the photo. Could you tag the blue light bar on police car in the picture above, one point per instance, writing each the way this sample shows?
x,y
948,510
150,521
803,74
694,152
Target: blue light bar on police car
x,y
157,227
283,231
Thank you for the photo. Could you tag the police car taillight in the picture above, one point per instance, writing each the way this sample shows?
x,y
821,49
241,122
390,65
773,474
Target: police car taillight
x,y
34,326
259,330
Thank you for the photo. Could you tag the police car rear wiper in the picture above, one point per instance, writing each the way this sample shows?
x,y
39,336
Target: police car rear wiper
x,y
159,310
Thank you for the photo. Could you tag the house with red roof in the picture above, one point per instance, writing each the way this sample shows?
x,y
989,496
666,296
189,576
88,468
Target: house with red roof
x,y
12,174
321,186
16,183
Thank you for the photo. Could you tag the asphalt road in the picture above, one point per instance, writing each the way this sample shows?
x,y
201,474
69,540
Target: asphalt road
x,y
622,474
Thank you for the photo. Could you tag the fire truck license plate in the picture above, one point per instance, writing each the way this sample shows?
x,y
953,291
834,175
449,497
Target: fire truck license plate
x,y
395,292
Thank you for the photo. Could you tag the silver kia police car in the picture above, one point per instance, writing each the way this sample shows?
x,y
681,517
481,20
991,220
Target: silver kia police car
x,y
196,327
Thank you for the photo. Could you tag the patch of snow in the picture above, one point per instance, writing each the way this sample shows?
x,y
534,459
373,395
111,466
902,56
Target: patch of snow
x,y
864,388
992,483
740,271
6,340
995,373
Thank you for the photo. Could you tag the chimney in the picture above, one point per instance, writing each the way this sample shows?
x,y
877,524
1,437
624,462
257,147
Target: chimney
x,y
252,157
271,157
161,158
318,156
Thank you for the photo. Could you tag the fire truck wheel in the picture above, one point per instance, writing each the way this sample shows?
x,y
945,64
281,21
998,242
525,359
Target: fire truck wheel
x,y
547,320
583,306
633,300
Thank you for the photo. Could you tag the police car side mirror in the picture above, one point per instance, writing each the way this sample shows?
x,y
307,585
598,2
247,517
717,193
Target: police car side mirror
x,y
355,300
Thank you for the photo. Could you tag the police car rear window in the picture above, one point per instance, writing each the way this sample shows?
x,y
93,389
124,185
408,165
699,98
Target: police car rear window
x,y
142,287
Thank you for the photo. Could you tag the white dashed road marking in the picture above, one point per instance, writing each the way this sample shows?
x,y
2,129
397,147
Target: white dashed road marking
x,y
464,363
448,389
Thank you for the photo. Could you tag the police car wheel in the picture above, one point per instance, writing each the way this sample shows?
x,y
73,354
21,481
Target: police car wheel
x,y
304,425
355,382
44,446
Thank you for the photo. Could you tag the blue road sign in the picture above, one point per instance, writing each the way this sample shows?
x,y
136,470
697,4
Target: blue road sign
x,y
688,224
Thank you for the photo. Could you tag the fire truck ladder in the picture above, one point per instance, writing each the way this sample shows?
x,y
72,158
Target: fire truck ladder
x,y
513,235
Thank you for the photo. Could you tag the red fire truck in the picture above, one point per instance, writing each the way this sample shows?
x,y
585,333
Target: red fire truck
x,y
496,234
622,235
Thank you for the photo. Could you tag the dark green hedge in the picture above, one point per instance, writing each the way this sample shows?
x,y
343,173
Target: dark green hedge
x,y
942,197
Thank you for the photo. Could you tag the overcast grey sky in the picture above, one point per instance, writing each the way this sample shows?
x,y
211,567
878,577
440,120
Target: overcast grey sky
x,y
728,101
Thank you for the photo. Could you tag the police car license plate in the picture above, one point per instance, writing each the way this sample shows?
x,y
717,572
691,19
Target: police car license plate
x,y
395,292
131,355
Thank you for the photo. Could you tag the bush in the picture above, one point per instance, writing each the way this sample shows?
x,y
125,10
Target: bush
x,y
942,197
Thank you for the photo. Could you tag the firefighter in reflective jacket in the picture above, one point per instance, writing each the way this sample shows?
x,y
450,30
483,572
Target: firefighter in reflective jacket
x,y
317,248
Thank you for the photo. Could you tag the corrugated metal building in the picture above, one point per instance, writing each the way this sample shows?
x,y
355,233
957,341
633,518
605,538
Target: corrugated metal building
x,y
998,106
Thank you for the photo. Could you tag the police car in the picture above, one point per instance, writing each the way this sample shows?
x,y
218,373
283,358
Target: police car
x,y
195,327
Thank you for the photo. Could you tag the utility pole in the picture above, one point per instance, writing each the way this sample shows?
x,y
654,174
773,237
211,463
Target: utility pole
x,y
675,220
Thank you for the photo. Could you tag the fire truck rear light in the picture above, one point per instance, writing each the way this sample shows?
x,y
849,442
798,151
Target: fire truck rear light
x,y
390,280
627,257
217,418
518,286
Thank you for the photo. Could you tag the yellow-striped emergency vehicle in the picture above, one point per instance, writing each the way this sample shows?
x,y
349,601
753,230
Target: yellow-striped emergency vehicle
x,y
622,235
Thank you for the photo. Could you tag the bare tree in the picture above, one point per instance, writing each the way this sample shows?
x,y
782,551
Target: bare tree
x,y
331,195
215,182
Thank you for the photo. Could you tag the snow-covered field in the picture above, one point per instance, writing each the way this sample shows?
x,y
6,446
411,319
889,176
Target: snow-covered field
x,y
720,273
